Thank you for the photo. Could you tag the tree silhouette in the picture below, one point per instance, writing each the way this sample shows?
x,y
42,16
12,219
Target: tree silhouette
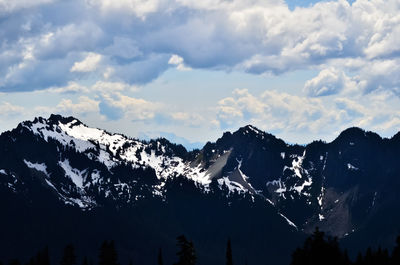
x,y
108,254
14,262
229,260
318,250
186,254
68,257
368,259
159,258
85,261
395,260
42,257
359,260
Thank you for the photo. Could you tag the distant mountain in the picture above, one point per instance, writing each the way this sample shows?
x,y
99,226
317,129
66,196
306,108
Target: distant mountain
x,y
62,182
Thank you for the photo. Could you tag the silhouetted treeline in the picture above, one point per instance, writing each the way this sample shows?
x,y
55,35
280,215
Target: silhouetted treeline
x,y
318,249
321,249
108,255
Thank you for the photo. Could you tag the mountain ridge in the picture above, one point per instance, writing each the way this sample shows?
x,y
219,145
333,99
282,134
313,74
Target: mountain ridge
x,y
342,186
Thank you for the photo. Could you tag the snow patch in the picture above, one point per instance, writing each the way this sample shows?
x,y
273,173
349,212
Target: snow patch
x,y
321,196
288,221
374,199
2,171
56,132
232,185
297,164
255,129
351,167
74,174
51,184
95,176
300,188
281,185
39,167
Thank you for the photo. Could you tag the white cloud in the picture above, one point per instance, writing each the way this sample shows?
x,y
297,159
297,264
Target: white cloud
x,y
99,86
178,62
8,110
107,48
89,64
84,105
300,117
14,5
72,87
129,107
132,41
140,8
327,82
188,119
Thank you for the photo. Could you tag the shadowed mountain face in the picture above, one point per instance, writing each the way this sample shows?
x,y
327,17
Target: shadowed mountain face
x,y
61,182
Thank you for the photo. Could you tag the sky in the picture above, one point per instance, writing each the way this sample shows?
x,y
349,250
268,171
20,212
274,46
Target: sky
x,y
188,70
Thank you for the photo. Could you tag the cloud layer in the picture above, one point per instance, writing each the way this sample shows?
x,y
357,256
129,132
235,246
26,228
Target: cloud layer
x,y
92,56
134,41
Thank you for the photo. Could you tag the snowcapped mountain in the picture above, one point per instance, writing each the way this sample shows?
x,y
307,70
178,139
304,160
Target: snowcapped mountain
x,y
79,163
246,183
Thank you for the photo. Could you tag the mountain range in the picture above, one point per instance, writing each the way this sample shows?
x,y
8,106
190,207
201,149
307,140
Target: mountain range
x,y
64,182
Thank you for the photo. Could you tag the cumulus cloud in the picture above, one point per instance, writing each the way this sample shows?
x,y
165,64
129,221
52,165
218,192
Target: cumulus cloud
x,y
149,36
116,106
305,117
327,82
7,6
83,106
8,110
188,119
95,53
178,62
89,64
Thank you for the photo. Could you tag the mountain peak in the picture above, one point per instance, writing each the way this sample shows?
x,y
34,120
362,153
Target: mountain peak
x,y
353,133
250,129
50,123
55,118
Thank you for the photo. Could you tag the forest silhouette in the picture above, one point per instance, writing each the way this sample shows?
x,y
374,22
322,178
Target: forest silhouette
x,y
318,249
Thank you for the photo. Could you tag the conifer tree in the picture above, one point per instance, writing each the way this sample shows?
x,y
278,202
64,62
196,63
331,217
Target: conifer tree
x,y
85,261
368,259
68,257
317,250
229,260
108,254
42,257
30,262
346,259
186,254
159,258
359,260
14,262
395,259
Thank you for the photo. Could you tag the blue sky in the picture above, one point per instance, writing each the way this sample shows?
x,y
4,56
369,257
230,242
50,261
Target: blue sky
x,y
190,70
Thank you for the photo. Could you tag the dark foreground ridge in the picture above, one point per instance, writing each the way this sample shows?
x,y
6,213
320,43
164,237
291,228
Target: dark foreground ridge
x,y
317,249
61,182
